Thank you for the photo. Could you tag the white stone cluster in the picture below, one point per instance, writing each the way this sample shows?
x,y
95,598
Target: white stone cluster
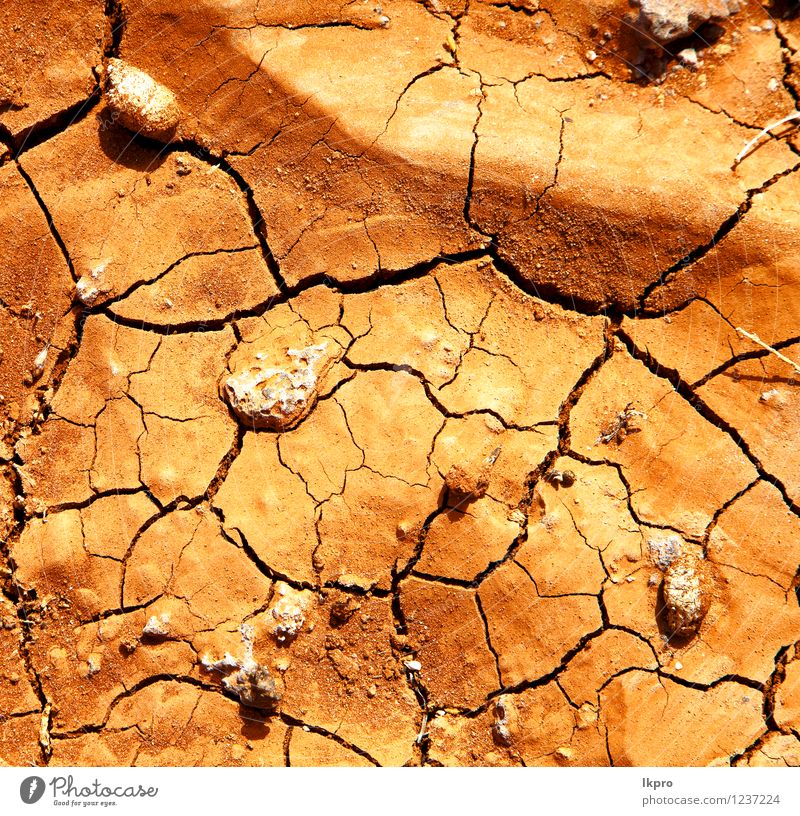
x,y
276,398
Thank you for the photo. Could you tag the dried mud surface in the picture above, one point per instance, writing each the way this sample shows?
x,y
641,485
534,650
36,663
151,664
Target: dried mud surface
x,y
391,409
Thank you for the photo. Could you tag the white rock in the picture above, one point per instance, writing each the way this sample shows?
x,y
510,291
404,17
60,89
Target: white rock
x,y
252,682
157,626
39,363
289,612
686,594
92,285
668,20
140,103
664,550
267,396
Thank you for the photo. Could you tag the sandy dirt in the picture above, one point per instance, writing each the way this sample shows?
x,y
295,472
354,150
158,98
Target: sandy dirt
x,y
399,384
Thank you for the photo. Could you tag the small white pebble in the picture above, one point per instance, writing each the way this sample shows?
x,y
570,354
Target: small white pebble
x,y
93,664
773,395
157,626
678,665
413,665
140,103
41,359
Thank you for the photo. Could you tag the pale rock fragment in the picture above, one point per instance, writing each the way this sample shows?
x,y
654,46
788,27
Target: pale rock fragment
x,y
92,285
668,20
687,585
44,731
157,626
39,363
226,663
289,612
93,664
139,102
665,550
254,686
500,730
560,478
252,682
276,391
688,57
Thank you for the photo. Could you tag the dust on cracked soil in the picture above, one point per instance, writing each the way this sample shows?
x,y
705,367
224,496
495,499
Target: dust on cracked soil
x,y
412,383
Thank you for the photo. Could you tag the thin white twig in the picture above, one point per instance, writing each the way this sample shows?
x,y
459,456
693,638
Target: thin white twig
x,y
759,342
749,146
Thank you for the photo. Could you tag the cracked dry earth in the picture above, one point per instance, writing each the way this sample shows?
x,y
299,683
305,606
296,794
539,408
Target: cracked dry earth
x,y
371,385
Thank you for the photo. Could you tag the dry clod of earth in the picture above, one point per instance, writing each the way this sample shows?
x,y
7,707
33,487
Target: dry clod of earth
x,y
392,386
467,486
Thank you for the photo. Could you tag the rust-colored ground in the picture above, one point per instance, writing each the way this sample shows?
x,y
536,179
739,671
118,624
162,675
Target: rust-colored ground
x,y
372,390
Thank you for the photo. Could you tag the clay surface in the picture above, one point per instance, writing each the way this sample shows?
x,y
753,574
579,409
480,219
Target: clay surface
x,y
392,385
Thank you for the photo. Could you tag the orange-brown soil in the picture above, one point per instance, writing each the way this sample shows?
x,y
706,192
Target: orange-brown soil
x,y
378,383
